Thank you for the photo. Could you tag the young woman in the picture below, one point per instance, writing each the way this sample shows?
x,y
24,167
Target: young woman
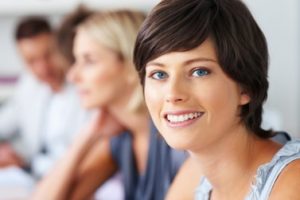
x,y
204,68
106,80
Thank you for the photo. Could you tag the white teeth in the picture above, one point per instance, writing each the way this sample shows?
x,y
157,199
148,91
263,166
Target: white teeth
x,y
182,118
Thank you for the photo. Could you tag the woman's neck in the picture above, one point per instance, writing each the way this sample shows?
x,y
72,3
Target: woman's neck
x,y
138,122
230,164
134,119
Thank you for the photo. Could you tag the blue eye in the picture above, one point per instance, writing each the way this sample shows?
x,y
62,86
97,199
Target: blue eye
x,y
200,72
159,75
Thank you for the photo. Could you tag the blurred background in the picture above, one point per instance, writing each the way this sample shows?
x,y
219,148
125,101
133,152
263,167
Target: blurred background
x,y
280,21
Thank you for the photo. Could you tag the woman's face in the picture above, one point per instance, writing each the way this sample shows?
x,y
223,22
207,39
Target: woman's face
x,y
193,103
97,73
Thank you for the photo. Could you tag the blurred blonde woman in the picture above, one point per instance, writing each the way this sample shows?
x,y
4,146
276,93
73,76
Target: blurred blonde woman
x,y
121,137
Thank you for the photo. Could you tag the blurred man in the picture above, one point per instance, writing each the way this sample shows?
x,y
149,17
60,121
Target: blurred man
x,y
39,122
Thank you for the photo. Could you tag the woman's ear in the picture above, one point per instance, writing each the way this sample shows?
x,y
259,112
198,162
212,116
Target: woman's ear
x,y
244,98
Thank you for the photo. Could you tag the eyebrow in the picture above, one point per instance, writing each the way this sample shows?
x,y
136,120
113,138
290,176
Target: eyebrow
x,y
188,62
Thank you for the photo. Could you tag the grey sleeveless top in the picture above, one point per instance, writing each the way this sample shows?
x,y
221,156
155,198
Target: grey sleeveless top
x,y
162,166
265,177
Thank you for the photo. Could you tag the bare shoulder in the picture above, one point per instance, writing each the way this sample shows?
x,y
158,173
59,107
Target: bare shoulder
x,y
287,185
186,181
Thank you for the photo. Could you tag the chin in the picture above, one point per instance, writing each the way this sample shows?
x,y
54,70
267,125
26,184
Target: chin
x,y
177,144
176,141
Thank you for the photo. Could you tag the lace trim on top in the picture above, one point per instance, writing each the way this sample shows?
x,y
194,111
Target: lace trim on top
x,y
203,191
290,149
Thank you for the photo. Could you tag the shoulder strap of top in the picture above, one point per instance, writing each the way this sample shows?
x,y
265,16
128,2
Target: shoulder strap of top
x,y
203,191
265,193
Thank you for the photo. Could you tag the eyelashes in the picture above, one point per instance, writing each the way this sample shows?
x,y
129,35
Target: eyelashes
x,y
200,71
195,72
158,75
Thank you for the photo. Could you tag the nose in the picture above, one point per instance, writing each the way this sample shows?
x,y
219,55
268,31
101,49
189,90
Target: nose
x,y
176,91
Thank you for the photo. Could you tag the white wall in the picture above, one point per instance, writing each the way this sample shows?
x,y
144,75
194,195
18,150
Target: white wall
x,y
10,63
20,7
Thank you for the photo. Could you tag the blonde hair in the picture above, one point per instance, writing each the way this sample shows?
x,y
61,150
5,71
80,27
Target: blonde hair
x,y
117,30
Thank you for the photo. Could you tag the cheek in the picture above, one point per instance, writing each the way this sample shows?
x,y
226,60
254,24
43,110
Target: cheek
x,y
223,102
99,78
104,85
154,101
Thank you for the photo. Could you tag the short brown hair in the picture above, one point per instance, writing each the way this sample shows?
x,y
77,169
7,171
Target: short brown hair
x,y
32,26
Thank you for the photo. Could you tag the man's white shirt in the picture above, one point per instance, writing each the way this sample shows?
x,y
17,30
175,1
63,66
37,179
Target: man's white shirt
x,y
37,118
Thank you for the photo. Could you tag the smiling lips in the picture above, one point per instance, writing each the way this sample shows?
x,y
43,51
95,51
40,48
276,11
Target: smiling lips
x,y
180,120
